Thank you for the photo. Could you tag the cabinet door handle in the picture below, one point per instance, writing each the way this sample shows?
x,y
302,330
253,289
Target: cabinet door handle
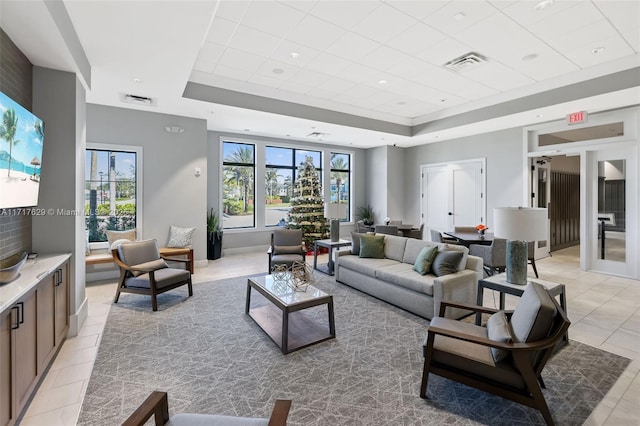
x,y
58,277
21,312
17,326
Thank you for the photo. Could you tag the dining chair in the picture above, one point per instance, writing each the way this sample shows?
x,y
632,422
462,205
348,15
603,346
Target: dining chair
x,y
388,230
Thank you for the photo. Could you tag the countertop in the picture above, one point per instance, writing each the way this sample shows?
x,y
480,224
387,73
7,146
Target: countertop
x,y
33,271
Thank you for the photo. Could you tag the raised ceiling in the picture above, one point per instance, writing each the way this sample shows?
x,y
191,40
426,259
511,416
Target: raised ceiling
x,y
364,72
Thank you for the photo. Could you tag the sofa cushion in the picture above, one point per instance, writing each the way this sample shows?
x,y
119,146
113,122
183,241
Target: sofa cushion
x,y
424,260
446,262
394,247
403,275
413,248
372,246
365,266
534,314
465,253
499,330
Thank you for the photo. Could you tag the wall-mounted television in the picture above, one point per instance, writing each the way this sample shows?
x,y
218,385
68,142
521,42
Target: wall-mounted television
x,y
21,139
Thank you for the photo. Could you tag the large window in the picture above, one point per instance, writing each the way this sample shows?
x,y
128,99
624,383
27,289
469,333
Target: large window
x,y
341,180
281,172
238,173
111,192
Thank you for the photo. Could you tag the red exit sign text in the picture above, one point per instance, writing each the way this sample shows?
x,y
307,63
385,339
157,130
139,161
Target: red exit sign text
x,y
577,117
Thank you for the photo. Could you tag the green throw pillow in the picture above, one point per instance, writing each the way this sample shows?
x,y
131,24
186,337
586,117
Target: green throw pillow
x,y
424,260
372,246
446,262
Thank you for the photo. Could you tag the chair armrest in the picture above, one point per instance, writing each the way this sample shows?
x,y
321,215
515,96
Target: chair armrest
x,y
156,404
176,259
270,250
280,412
467,306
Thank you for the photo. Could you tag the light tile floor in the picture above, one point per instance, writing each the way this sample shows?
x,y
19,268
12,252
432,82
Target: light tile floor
x,y
604,311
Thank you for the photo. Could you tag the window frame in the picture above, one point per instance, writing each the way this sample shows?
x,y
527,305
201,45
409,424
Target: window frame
x,y
349,173
91,146
255,173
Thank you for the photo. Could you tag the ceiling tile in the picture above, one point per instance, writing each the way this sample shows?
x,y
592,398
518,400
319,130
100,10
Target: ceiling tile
x,y
502,4
337,85
352,46
614,48
443,52
625,15
417,9
548,62
295,87
346,14
241,60
599,30
384,97
322,93
384,23
281,18
361,91
328,64
277,70
497,76
525,13
384,58
458,15
566,21
362,74
208,58
286,47
254,41
231,72
416,38
632,37
302,5
315,33
263,80
221,31
232,10
309,78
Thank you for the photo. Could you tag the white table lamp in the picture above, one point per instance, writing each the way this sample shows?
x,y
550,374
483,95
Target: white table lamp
x,y
519,225
335,212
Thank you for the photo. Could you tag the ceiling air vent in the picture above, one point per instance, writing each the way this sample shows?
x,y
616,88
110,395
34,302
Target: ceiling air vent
x,y
466,61
138,100
317,134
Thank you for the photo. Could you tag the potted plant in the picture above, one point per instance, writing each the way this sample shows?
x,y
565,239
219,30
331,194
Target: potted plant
x,y
365,213
214,235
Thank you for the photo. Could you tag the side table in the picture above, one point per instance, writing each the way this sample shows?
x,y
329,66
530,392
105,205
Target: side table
x,y
499,283
328,268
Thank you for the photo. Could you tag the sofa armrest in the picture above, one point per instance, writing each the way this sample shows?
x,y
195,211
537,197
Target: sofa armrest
x,y
459,287
475,263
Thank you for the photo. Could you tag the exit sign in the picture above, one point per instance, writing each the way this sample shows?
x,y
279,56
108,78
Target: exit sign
x,y
577,117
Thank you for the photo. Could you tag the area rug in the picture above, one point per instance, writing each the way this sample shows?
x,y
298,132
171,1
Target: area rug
x,y
212,358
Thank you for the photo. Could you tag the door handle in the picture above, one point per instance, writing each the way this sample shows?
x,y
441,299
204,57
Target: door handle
x,y
21,312
450,214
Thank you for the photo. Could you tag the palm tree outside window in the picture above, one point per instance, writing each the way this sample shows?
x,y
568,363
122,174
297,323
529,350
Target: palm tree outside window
x,y
340,181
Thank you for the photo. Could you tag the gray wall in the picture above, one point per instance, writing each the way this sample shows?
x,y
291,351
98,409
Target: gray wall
x,y
503,151
172,195
235,239
59,100
377,181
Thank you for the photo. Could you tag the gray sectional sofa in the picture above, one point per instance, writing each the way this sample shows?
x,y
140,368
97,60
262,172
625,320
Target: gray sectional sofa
x,y
393,279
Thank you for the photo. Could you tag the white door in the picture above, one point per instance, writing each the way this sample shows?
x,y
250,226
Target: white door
x,y
453,195
611,215
541,197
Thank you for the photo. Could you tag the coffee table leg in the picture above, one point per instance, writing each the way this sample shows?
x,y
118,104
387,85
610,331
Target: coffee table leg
x,y
479,301
285,332
332,323
248,302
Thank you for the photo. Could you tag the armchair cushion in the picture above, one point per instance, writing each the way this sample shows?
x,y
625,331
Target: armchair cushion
x,y
534,314
372,246
499,330
446,262
188,419
141,252
287,249
424,260
164,278
152,265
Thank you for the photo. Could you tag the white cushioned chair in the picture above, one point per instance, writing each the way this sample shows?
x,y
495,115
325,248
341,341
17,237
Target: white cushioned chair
x,y
144,271
157,405
505,358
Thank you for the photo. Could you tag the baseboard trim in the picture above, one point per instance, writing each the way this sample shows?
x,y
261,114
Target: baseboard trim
x,y
77,319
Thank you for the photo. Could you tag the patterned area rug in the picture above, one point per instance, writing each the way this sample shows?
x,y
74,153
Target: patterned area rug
x,y
212,358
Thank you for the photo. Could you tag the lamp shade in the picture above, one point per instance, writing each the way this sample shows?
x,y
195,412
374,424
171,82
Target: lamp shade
x,y
335,210
520,223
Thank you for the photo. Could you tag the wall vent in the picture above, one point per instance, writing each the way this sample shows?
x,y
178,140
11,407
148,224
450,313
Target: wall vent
x,y
138,100
466,61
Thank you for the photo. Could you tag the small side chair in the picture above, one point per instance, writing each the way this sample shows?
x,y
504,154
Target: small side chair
x,y
494,256
286,247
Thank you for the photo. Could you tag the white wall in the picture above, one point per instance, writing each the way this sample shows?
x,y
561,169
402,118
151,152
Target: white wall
x,y
172,195
377,182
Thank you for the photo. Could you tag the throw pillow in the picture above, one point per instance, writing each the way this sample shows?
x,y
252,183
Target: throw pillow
x,y
180,237
154,264
372,246
113,236
355,242
288,249
446,262
465,254
499,330
424,260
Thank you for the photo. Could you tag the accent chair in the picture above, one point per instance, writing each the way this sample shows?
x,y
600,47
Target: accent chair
x,y
494,256
286,247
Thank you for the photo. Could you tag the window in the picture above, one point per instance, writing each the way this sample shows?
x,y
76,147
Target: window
x,y
238,187
281,172
341,180
111,191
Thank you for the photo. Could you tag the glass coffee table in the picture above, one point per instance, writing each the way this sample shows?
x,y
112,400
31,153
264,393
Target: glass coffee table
x,y
282,320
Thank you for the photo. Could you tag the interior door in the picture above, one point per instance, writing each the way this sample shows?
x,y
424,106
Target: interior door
x,y
611,212
453,195
541,197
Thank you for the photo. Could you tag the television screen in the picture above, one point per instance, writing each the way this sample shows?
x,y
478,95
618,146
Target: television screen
x,y
21,137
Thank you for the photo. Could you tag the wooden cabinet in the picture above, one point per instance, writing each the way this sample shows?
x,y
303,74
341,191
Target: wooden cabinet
x,y
31,332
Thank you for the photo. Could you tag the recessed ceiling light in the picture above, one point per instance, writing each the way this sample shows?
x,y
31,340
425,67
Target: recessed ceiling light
x,y
530,57
137,80
443,100
401,103
278,71
544,4
597,50
539,115
459,16
294,55
382,81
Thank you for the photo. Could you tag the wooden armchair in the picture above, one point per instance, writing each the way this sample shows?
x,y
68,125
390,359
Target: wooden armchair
x,y
505,358
144,271
157,405
286,247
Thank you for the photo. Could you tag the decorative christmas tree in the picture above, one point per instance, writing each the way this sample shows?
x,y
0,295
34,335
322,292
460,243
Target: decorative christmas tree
x,y
307,208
